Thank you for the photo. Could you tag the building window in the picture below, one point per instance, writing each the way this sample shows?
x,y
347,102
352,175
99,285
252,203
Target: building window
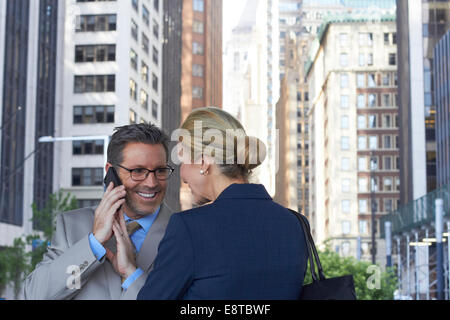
x,y
94,83
156,5
345,164
392,59
386,79
387,183
145,15
372,121
133,89
344,80
94,23
362,184
87,176
343,39
199,5
154,82
93,114
362,123
362,163
345,227
360,80
371,82
344,122
84,203
370,59
343,59
374,184
387,142
135,5
362,206
133,59
372,100
388,205
345,206
374,163
361,101
362,59
155,29
373,142
198,27
197,92
144,72
95,53
144,99
88,147
363,226
145,43
197,48
155,56
345,248
133,116
134,30
387,165
362,142
154,109
344,101
345,143
345,185
197,70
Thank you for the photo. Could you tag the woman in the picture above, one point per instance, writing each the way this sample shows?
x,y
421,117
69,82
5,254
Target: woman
x,y
241,245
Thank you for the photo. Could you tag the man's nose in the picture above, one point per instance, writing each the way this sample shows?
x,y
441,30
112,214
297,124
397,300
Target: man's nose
x,y
151,180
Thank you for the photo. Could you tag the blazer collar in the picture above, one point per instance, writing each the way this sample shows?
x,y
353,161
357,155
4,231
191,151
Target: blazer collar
x,y
244,191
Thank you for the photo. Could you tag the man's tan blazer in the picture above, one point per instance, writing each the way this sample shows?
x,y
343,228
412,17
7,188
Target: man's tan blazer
x,y
70,251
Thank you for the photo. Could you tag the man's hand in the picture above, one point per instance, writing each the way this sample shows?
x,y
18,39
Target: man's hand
x,y
105,212
124,261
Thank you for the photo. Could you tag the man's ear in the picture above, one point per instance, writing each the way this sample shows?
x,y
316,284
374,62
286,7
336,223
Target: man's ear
x,y
107,166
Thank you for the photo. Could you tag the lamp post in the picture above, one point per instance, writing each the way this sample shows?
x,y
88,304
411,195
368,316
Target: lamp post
x,y
105,139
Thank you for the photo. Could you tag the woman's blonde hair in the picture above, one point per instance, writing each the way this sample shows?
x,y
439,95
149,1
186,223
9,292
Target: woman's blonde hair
x,y
215,132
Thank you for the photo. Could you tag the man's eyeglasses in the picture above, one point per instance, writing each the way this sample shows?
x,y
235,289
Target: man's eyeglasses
x,y
140,174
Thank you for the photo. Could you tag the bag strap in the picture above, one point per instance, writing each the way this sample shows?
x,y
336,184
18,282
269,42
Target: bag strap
x,y
312,251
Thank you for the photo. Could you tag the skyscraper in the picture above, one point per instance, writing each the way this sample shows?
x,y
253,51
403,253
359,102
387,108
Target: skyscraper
x,y
28,34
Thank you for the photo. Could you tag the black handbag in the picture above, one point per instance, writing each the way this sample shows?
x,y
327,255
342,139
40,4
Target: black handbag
x,y
338,288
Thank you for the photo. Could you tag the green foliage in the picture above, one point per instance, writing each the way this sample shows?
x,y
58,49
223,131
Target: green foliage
x,y
15,261
365,278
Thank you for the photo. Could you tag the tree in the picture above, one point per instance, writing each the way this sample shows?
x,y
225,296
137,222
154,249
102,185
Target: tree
x,y
15,262
371,283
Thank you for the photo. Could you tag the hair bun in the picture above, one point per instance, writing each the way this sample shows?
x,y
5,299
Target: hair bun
x,y
254,153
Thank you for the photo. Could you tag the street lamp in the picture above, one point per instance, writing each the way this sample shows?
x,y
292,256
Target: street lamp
x,y
82,138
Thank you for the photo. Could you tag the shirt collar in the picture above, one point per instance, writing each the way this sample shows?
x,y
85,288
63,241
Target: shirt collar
x,y
146,221
244,191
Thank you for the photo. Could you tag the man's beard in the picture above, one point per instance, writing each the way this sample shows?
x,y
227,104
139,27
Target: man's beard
x,y
134,207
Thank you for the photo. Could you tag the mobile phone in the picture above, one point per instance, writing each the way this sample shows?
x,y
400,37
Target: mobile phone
x,y
112,176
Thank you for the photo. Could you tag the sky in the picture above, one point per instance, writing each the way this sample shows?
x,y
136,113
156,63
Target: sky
x,y
232,10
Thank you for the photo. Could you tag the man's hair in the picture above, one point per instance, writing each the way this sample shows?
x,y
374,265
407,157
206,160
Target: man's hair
x,y
142,133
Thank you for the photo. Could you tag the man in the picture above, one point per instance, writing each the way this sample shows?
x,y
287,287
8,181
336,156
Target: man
x,y
86,259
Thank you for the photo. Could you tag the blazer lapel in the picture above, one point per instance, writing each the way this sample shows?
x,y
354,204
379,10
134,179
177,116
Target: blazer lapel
x,y
149,248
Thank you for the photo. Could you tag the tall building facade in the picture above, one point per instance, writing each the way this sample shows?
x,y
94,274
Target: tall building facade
x,y
28,80
111,75
201,63
354,137
430,19
252,80
442,93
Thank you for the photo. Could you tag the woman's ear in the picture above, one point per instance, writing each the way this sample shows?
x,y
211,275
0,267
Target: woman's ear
x,y
207,163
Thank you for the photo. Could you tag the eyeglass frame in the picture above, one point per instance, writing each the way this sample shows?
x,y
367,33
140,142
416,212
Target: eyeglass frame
x,y
148,172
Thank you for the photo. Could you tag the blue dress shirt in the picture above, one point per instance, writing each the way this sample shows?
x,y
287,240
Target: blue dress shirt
x,y
137,238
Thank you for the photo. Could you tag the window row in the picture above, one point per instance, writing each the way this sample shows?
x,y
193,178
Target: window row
x,y
366,59
95,83
94,23
88,147
370,80
371,121
366,184
388,205
135,5
372,142
143,97
95,53
366,39
87,176
93,114
372,163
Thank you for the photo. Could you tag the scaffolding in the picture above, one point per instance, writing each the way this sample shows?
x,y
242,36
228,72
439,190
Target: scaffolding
x,y
417,251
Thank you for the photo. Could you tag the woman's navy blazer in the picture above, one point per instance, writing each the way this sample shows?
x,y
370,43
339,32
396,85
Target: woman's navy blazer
x,y
241,246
